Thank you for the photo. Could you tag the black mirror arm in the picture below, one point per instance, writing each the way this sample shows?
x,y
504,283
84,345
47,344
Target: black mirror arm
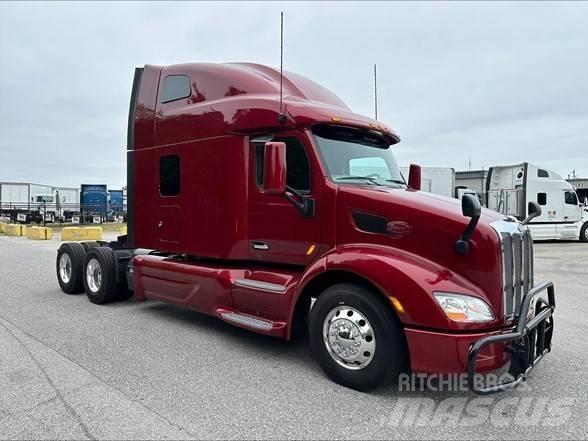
x,y
462,245
302,202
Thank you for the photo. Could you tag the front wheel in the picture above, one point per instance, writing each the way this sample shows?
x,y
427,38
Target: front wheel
x,y
584,233
356,337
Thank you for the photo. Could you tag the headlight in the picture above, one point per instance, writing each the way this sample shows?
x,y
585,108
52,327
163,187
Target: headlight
x,y
462,308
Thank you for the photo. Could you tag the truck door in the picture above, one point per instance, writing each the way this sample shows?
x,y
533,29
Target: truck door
x,y
278,231
572,213
543,227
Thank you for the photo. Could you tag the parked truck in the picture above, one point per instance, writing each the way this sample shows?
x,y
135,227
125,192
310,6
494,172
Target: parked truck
x,y
260,212
563,216
93,202
438,180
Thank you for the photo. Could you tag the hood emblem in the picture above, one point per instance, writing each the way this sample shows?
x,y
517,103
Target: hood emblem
x,y
399,228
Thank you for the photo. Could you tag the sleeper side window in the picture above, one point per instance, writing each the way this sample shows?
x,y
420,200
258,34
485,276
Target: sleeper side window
x,y
542,173
169,175
175,87
571,198
297,163
542,198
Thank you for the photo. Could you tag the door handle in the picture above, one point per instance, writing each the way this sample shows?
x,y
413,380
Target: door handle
x,y
260,246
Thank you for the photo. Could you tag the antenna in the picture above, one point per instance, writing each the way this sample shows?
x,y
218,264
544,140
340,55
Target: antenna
x,y
281,116
375,92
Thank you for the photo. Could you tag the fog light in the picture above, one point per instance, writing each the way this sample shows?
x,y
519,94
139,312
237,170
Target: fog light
x,y
463,308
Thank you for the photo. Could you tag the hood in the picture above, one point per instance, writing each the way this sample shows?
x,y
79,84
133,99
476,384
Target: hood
x,y
424,224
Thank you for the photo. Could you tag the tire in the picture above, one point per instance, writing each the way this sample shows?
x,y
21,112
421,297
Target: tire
x,y
88,245
99,275
69,266
584,233
382,353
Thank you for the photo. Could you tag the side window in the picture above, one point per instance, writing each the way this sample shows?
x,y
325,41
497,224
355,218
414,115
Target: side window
x,y
542,198
542,173
297,162
571,198
259,155
175,87
169,175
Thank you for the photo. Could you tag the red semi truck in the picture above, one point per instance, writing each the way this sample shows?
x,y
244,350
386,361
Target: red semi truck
x,y
282,217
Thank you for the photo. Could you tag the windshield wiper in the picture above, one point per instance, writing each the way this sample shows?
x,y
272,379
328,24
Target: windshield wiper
x,y
364,178
396,181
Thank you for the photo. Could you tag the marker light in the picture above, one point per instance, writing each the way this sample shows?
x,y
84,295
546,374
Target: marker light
x,y
462,308
397,305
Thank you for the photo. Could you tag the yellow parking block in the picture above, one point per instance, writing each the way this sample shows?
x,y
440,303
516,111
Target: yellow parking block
x,y
39,233
81,233
15,229
123,230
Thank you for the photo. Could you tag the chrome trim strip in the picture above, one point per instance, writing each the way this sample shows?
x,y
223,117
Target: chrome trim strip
x,y
259,285
247,320
516,246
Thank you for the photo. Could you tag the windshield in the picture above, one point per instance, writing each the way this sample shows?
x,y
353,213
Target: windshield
x,y
360,157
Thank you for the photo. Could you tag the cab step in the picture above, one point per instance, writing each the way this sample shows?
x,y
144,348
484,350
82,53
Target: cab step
x,y
257,324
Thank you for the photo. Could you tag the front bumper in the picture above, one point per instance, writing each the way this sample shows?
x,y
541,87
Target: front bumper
x,y
522,346
528,343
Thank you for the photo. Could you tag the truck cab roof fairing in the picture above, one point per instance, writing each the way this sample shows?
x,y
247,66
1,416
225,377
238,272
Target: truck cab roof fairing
x,y
243,98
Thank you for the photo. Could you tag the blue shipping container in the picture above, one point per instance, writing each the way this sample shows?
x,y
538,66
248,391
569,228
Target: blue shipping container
x,y
116,201
93,199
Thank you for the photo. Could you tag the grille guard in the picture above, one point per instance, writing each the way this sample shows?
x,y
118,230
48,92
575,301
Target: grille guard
x,y
532,341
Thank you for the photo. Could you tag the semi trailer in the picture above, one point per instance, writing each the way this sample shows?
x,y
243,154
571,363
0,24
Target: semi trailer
x,y
27,202
438,180
249,200
511,187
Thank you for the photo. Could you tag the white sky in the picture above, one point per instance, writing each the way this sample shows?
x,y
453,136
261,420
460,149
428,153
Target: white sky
x,y
502,82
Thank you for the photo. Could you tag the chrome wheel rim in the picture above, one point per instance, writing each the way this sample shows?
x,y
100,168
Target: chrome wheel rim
x,y
94,275
65,268
586,234
349,337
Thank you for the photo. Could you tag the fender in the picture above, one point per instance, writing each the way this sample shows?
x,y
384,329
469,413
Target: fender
x,y
409,278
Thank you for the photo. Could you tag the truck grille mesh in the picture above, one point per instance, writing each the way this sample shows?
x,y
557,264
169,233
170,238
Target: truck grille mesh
x,y
517,268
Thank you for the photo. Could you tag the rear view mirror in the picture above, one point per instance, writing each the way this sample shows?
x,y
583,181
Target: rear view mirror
x,y
534,211
274,168
470,205
414,177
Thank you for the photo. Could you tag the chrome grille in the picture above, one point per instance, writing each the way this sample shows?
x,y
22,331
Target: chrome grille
x,y
517,263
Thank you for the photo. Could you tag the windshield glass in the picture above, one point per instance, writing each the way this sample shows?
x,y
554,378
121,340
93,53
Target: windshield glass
x,y
355,156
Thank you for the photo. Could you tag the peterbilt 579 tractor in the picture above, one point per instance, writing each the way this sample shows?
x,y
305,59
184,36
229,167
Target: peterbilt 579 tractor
x,y
290,216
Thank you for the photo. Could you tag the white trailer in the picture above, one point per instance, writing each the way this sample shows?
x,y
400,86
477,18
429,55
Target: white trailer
x,y
67,195
510,188
23,197
438,180
14,193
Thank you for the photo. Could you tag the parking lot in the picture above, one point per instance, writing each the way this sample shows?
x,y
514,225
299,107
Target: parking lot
x,y
71,369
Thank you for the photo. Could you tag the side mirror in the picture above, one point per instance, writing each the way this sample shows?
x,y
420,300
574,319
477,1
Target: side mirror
x,y
470,207
274,168
534,211
414,177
